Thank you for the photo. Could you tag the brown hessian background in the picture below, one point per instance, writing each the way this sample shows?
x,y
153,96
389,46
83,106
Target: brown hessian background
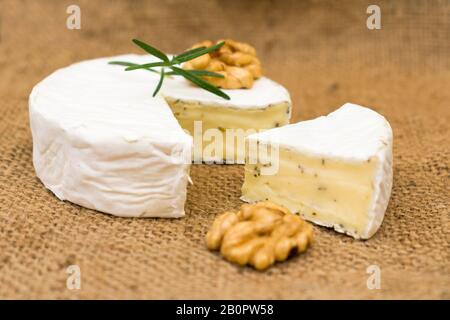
x,y
325,55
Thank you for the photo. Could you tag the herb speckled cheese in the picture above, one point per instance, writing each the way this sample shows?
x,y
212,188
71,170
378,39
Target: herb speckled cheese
x,y
335,171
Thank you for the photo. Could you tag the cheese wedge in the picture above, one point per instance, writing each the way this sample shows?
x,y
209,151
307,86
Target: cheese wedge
x,y
335,171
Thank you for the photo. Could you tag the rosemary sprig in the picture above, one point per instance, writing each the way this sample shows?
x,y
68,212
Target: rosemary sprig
x,y
193,76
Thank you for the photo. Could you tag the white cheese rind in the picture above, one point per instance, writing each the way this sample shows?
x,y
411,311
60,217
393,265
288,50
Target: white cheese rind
x,y
101,141
351,134
383,187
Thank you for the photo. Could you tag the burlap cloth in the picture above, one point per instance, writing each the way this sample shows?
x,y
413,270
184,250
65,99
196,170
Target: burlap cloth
x,y
324,54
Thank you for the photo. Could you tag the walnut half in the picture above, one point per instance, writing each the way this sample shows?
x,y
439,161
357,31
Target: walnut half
x,y
259,234
235,61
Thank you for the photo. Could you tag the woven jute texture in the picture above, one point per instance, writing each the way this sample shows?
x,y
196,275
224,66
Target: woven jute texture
x,y
325,55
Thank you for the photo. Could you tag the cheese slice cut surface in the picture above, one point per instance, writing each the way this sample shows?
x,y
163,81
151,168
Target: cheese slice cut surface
x,y
209,122
335,171
266,105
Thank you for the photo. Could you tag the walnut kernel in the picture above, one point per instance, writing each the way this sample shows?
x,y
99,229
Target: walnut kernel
x,y
236,61
259,234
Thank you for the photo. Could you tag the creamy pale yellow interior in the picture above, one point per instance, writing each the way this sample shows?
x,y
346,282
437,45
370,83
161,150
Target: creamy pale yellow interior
x,y
223,118
333,192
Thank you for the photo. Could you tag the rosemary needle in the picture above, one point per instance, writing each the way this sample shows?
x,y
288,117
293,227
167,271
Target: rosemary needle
x,y
161,78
